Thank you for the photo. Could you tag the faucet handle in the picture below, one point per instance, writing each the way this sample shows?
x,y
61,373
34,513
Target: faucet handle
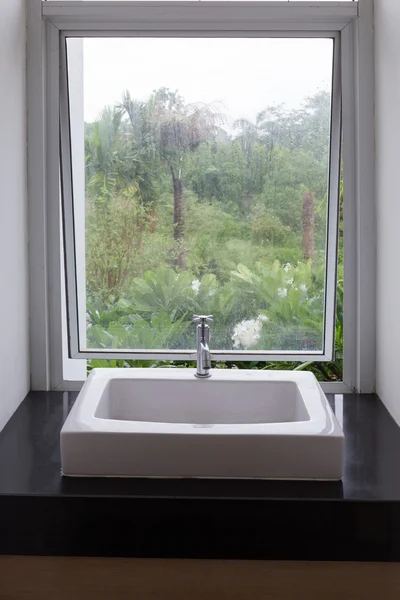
x,y
203,319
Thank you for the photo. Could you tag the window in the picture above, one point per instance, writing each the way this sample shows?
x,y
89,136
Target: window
x,y
200,172
211,186
206,191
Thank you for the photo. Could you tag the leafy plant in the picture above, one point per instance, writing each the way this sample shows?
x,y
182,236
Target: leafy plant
x,y
184,216
132,331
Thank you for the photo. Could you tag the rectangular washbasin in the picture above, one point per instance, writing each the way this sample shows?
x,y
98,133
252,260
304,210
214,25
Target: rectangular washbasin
x,y
168,423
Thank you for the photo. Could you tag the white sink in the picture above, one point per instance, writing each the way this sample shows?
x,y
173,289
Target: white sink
x,y
168,423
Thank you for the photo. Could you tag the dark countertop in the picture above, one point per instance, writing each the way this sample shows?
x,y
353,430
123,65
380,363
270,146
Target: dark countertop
x,y
44,513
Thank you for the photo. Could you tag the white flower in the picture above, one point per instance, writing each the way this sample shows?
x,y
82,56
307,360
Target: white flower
x,y
287,267
282,292
247,333
303,288
289,281
211,293
195,286
262,318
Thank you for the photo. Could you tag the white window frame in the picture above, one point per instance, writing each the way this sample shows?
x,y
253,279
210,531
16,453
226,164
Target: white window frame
x,y
349,23
71,259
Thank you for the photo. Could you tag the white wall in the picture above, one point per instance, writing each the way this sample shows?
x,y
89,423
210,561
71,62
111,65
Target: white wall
x,y
14,319
387,68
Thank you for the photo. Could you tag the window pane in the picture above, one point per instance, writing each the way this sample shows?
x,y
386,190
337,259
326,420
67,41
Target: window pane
x,y
202,188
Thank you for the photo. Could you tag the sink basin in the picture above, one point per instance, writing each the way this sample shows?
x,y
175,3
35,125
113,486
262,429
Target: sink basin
x,y
168,423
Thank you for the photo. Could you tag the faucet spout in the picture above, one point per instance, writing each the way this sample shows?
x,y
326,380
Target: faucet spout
x,y
203,350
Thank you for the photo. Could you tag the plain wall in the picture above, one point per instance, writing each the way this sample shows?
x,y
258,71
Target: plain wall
x,y
14,315
387,122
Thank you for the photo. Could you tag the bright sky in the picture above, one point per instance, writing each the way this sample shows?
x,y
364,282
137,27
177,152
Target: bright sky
x,y
243,76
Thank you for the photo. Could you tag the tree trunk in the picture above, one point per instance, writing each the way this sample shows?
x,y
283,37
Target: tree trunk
x,y
308,225
179,217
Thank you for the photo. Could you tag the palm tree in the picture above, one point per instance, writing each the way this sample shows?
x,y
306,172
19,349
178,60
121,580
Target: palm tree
x,y
109,154
249,133
266,130
143,143
178,128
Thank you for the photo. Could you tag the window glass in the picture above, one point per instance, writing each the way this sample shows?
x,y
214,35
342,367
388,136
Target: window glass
x,y
201,187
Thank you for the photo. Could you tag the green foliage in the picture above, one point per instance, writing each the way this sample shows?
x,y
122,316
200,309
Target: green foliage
x,y
291,299
132,331
241,247
266,226
162,290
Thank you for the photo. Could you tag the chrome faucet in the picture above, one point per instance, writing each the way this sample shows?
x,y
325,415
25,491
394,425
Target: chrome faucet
x,y
203,350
